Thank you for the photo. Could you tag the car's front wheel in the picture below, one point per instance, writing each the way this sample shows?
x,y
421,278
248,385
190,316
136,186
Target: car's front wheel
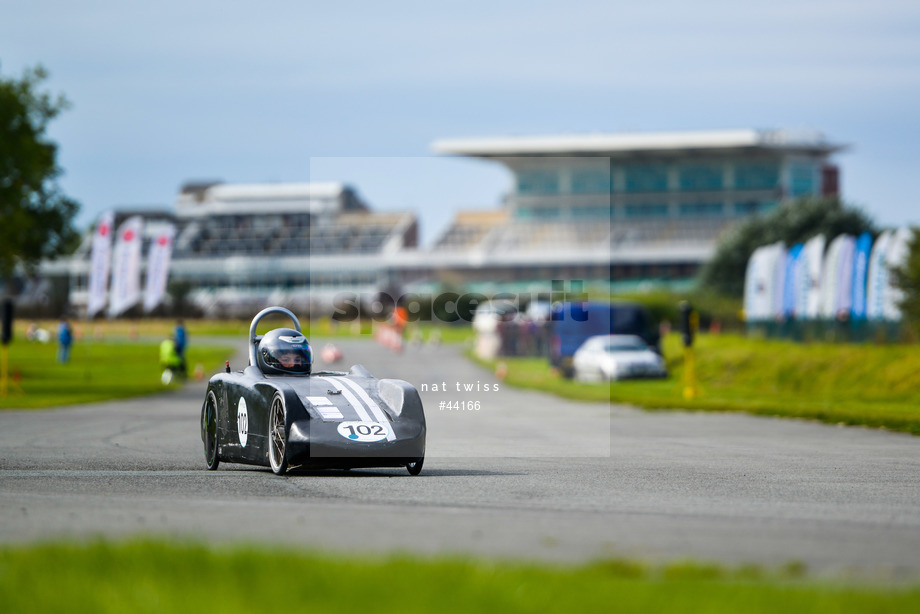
x,y
415,467
209,431
277,436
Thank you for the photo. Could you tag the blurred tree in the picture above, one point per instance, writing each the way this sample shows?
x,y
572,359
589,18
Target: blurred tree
x,y
37,217
792,222
907,278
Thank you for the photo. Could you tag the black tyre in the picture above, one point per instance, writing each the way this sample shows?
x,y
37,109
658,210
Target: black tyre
x,y
277,436
415,467
209,431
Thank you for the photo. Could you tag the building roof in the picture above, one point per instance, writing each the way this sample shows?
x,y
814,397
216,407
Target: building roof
x,y
637,142
270,191
197,200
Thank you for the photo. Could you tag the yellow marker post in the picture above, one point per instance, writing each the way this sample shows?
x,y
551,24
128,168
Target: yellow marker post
x,y
691,323
691,389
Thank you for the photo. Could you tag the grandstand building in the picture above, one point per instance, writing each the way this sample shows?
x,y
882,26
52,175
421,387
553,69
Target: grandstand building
x,y
629,208
617,211
239,247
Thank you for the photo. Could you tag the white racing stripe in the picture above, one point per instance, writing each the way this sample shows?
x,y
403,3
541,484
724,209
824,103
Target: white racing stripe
x,y
356,408
346,386
359,407
361,392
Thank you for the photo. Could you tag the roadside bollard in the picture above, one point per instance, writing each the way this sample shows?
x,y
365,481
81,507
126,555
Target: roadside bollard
x,y
689,322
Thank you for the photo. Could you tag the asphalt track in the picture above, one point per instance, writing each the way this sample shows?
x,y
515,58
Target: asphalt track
x,y
526,476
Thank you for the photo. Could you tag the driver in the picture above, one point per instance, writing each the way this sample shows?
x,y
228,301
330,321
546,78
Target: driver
x,y
289,360
285,351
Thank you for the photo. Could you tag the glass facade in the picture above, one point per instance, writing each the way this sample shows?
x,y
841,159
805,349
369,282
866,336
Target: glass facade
x,y
802,179
701,209
657,210
646,178
591,182
685,188
756,176
701,177
538,182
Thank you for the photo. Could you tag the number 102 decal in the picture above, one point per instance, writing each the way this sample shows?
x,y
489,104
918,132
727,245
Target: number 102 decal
x,y
364,431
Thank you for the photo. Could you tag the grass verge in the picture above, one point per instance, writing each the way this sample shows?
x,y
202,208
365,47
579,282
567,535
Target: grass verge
x,y
96,372
876,386
146,576
161,328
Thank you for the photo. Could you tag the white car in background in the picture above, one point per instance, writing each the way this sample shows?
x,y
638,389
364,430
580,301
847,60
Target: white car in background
x,y
616,357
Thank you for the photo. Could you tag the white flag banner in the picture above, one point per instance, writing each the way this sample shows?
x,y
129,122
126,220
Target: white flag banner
x,y
126,267
158,266
878,277
843,300
99,263
755,286
760,282
830,278
811,278
778,256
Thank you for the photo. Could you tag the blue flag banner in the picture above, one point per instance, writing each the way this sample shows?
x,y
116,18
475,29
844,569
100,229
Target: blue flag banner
x,y
860,275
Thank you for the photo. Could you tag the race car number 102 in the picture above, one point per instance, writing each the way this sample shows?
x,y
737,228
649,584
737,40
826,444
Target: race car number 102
x,y
363,431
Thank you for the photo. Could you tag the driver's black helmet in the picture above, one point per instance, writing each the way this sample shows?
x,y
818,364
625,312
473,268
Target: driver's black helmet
x,y
284,351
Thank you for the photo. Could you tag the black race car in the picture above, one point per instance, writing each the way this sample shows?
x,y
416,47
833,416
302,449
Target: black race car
x,y
279,413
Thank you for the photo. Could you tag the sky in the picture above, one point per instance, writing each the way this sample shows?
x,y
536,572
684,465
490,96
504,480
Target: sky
x,y
167,92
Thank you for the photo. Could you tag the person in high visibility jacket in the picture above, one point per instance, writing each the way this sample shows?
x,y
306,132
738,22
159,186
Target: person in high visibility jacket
x,y
169,357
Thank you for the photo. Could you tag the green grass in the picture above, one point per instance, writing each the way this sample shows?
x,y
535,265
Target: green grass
x,y
119,359
163,327
97,371
148,576
877,386
160,328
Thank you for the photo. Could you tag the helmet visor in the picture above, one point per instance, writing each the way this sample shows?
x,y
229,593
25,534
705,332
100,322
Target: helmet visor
x,y
292,359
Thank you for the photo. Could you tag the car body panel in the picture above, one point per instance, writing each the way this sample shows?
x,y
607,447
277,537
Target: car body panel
x,y
315,407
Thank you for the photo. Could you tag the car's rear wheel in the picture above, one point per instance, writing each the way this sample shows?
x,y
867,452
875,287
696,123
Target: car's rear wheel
x,y
415,467
277,436
209,431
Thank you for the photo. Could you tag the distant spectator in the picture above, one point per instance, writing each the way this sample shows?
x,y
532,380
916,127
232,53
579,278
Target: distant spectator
x,y
180,339
65,339
400,319
170,359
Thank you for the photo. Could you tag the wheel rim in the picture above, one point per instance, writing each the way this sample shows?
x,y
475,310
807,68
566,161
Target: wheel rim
x,y
277,433
211,430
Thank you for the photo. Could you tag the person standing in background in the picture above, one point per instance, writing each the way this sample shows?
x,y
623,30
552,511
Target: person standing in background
x,y
170,361
180,340
65,339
